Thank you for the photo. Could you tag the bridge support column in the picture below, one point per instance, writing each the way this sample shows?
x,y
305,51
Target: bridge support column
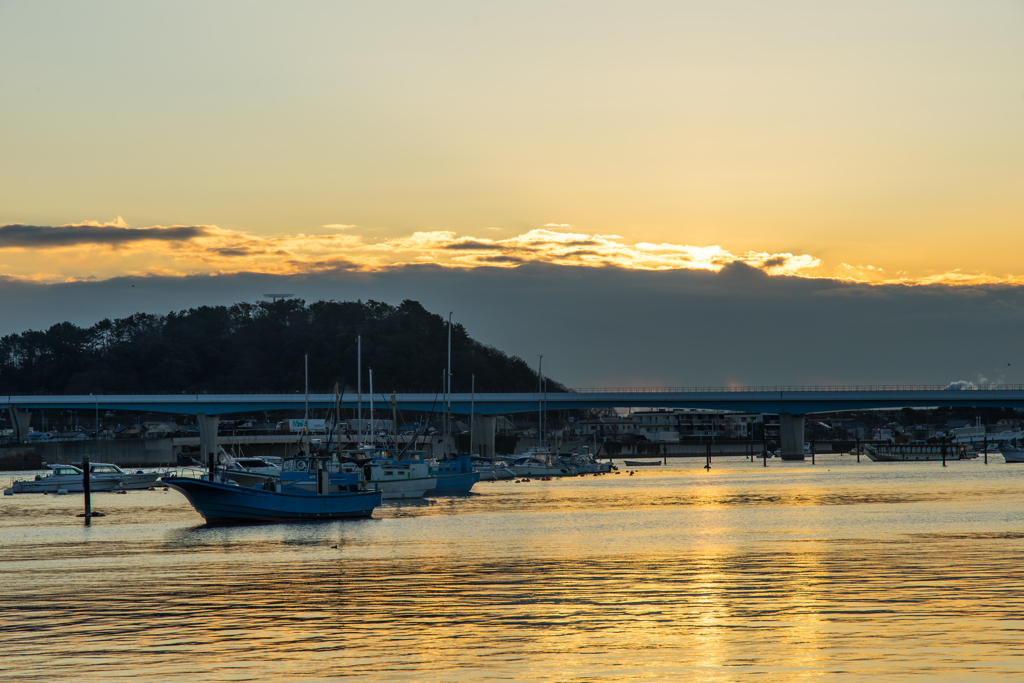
x,y
791,436
483,434
20,420
208,425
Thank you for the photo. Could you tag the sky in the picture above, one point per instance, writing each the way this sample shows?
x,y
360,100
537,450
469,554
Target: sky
x,y
194,146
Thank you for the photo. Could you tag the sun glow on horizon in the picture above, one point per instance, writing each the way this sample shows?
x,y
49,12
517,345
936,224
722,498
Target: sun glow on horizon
x,y
101,250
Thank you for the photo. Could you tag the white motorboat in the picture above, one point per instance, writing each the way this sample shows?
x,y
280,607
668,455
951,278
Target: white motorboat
x,y
250,472
539,462
1012,452
63,478
494,471
587,463
127,480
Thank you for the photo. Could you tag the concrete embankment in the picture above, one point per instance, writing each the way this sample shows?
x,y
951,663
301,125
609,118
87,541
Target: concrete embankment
x,y
127,453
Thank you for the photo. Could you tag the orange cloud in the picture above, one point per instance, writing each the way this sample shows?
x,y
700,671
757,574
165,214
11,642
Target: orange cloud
x,y
87,250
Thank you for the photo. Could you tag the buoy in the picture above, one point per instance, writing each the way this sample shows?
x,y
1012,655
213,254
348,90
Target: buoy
x,y
122,491
62,492
166,489
151,489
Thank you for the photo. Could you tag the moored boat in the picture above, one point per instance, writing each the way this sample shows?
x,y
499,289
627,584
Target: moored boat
x,y
538,462
641,463
63,478
454,475
126,480
917,452
229,503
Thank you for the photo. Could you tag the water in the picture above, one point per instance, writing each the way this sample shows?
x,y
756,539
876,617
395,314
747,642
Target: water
x,y
838,571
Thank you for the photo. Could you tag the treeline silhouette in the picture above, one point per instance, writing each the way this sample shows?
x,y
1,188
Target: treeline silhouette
x,y
258,347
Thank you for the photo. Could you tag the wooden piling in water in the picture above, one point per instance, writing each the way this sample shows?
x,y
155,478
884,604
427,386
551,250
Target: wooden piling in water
x,y
86,491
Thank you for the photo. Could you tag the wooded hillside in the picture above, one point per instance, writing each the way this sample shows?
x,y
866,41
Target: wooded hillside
x,y
257,347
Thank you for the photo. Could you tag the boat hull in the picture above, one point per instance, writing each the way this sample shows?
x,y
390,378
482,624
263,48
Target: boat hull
x,y
539,471
230,504
455,483
641,463
139,481
399,489
72,486
1013,454
496,473
928,453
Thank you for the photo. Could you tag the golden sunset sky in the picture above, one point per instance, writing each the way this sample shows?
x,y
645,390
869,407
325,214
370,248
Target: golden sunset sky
x,y
875,141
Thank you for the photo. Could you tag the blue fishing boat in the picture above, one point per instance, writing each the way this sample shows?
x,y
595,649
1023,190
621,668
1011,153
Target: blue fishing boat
x,y
454,475
335,495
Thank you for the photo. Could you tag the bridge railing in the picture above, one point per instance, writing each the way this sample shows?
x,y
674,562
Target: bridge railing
x,y
956,386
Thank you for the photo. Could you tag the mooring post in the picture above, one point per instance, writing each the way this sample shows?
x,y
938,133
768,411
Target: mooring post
x,y
708,465
858,449
943,451
984,444
812,451
87,493
764,453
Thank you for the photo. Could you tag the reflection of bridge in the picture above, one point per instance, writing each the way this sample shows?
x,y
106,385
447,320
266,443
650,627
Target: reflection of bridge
x,y
790,403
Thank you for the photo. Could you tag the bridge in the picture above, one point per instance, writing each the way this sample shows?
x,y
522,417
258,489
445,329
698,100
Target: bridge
x,y
791,403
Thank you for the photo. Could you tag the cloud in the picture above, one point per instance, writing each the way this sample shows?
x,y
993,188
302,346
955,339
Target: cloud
x,y
338,226
474,245
37,236
94,250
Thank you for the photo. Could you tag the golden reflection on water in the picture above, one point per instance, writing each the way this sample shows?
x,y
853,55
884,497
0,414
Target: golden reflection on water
x,y
836,572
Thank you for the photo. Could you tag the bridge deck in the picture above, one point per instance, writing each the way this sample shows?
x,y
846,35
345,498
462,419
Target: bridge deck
x,y
795,400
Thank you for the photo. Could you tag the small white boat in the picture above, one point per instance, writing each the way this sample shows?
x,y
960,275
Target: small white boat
x,y
494,471
127,480
398,479
250,472
63,478
587,463
1012,452
539,462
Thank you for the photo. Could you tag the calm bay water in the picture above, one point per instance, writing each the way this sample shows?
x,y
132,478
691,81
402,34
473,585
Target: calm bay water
x,y
838,571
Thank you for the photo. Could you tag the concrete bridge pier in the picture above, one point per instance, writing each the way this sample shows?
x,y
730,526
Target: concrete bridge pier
x,y
20,420
791,436
484,427
208,425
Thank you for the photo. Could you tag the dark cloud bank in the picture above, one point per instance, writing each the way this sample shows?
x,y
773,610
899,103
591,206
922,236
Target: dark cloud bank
x,y
613,327
40,236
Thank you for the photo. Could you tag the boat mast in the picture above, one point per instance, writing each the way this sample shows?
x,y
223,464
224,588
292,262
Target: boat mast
x,y
448,393
359,384
394,420
472,399
540,401
373,439
306,417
